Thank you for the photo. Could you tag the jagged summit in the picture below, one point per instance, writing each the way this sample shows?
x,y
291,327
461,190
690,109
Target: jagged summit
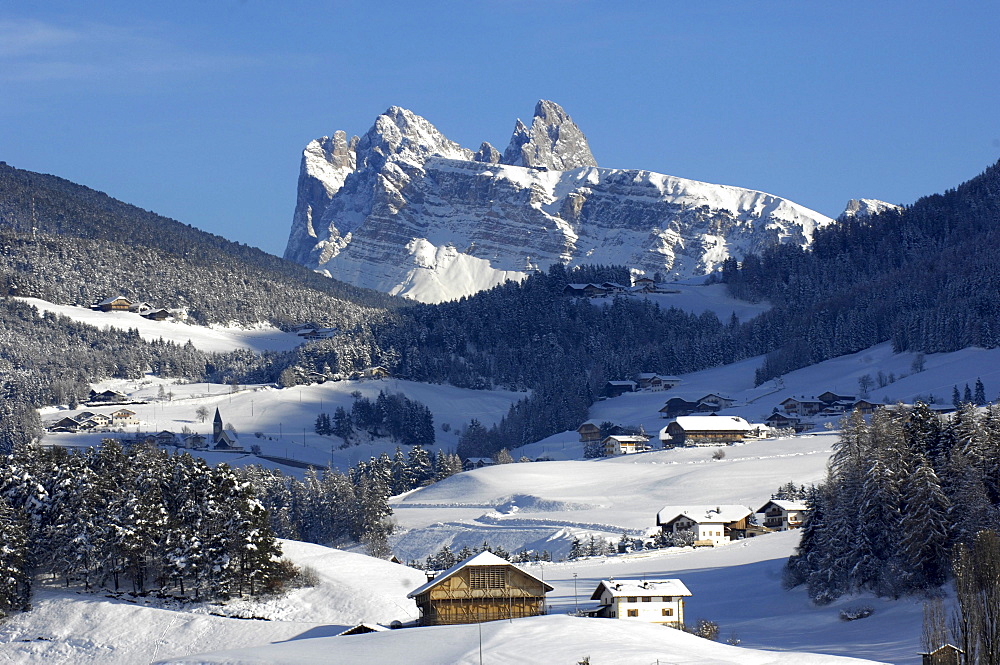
x,y
858,208
405,210
553,141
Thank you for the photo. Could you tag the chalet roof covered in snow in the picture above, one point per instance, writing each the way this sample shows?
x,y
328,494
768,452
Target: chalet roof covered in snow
x,y
481,559
703,514
712,423
784,505
617,588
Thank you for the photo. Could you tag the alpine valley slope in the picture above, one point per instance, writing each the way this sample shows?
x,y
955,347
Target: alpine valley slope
x,y
406,211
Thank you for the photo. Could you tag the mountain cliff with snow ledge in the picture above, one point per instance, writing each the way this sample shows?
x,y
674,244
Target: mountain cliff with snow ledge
x,y
404,210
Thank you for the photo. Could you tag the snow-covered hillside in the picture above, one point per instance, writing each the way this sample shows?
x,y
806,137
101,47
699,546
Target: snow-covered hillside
x,y
83,629
209,339
406,211
538,640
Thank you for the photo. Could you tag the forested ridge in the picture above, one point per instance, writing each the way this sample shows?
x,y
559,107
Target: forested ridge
x,y
925,278
67,243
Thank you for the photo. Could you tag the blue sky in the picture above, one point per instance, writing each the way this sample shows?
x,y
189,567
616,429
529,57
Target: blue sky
x,y
199,110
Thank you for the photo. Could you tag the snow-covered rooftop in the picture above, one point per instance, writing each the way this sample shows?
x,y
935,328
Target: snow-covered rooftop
x,y
704,514
481,559
718,423
616,588
785,505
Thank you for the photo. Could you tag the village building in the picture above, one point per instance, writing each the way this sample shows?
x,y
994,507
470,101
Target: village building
x,y
589,431
948,654
113,304
649,601
481,588
376,372
614,287
704,431
678,406
166,438
865,407
655,382
644,281
472,463
107,397
66,424
195,441
157,315
618,388
715,402
584,290
778,420
624,444
781,515
711,525
361,629
223,439
123,418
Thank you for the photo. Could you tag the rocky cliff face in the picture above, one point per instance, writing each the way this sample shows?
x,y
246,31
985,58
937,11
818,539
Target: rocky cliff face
x,y
858,208
405,210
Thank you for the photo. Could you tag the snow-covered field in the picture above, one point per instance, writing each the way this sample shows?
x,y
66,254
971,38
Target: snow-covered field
x,y
543,505
285,418
209,339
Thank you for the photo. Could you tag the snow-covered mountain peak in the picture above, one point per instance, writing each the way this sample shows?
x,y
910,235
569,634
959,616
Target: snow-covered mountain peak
x,y
858,208
407,211
553,141
403,135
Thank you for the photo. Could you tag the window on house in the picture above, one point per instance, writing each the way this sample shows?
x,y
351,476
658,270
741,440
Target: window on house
x,y
630,599
487,577
647,599
668,611
633,613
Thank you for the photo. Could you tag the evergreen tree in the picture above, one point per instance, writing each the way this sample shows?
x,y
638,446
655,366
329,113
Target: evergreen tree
x,y
924,525
979,397
15,569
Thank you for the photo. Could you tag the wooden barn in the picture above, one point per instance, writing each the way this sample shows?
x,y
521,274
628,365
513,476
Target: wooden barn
x,y
481,588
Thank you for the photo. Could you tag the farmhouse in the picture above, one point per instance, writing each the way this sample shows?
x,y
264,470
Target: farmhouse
x,y
473,463
624,444
108,396
481,588
157,315
589,431
618,388
585,290
704,431
66,424
715,402
711,525
650,601
782,515
655,382
123,417
113,304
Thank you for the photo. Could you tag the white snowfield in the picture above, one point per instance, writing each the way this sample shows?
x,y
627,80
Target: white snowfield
x,y
542,640
84,629
542,506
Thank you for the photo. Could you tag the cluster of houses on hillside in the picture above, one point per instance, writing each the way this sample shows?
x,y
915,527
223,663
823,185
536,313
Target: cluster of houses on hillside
x,y
486,587
639,285
120,303
222,439
642,381
710,430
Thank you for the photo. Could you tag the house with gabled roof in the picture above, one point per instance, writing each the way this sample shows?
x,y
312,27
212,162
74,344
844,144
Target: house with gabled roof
x,y
618,388
624,444
484,587
782,515
649,601
589,430
117,303
711,525
123,417
704,431
65,424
